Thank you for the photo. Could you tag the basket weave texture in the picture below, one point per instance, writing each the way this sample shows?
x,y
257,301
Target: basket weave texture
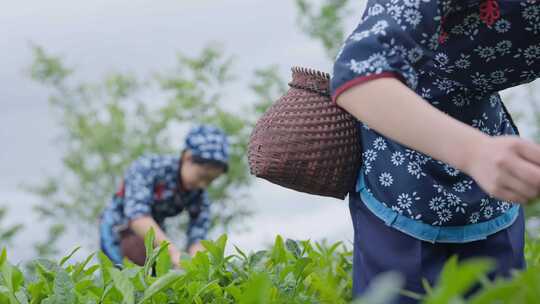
x,y
305,142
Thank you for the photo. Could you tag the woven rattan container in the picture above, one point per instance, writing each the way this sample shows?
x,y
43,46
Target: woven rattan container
x,y
305,142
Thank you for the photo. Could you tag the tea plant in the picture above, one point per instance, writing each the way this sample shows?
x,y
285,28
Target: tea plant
x,y
288,272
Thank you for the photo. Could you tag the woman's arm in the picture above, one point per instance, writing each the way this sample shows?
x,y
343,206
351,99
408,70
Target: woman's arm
x,y
143,224
199,224
506,167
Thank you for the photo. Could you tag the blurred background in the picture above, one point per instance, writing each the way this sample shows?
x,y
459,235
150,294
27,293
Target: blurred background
x,y
87,87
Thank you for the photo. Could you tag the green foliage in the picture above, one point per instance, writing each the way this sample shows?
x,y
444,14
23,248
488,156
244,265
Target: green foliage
x,y
288,272
267,86
324,23
456,279
48,246
8,233
108,124
298,272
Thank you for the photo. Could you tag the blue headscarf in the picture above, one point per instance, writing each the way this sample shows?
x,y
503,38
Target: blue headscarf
x,y
208,143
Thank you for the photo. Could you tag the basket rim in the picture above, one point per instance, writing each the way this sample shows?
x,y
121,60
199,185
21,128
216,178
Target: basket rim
x,y
310,72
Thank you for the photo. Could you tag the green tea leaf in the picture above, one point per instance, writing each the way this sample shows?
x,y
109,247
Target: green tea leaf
x,y
293,247
163,263
279,254
151,259
66,258
21,297
3,257
123,285
216,249
457,278
149,239
160,284
256,290
79,268
64,289
106,265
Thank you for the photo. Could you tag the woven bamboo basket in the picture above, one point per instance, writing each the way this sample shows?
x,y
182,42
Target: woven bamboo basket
x,y
305,142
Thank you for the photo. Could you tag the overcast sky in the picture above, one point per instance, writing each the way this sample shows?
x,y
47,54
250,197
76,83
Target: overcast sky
x,y
100,36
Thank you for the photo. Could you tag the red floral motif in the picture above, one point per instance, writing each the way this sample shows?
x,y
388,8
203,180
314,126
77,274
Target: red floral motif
x,y
121,190
158,191
489,12
443,35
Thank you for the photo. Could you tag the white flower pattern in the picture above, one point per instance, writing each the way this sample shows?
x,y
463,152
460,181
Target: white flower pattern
x,y
405,38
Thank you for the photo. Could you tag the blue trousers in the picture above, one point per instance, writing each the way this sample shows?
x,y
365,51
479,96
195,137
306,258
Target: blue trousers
x,y
379,248
108,243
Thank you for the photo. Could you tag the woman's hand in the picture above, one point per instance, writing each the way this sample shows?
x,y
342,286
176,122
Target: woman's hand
x,y
196,247
507,167
142,225
175,256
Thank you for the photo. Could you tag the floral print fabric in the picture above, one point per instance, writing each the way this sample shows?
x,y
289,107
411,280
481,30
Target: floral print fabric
x,y
151,188
457,55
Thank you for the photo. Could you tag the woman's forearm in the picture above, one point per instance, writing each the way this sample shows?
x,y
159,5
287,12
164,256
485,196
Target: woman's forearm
x,y
392,109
